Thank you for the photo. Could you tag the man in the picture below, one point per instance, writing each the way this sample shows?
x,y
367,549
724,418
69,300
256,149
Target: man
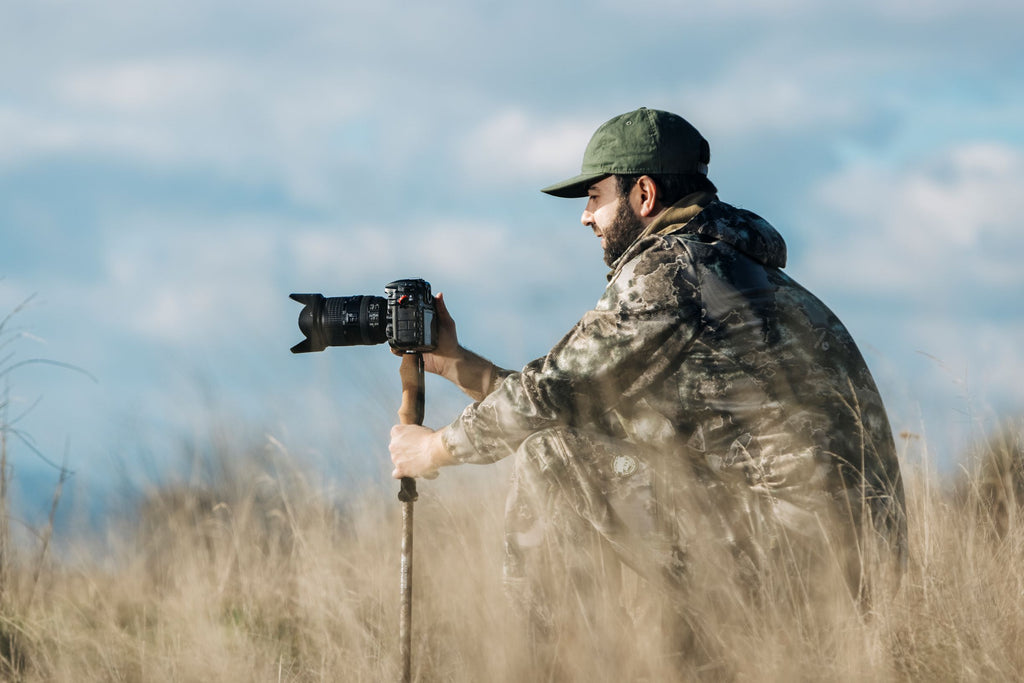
x,y
703,369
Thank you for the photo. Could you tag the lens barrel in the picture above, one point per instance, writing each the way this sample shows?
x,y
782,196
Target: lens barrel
x,y
340,321
355,320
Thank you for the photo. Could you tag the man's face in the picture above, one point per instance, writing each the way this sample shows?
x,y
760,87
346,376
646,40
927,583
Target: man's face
x,y
612,218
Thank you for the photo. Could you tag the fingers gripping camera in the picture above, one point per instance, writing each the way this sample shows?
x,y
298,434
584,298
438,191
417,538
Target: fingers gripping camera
x,y
405,319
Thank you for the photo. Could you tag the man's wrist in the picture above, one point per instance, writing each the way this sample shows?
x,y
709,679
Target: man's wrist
x,y
451,367
474,374
440,456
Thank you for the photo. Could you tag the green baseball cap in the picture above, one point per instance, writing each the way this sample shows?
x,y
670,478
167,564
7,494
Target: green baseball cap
x,y
645,141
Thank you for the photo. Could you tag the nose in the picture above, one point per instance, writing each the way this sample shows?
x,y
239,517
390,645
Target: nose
x,y
587,219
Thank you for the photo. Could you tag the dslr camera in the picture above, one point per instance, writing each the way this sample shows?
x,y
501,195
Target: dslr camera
x,y
404,318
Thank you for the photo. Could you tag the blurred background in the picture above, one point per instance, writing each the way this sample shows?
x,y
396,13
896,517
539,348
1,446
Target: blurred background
x,y
170,172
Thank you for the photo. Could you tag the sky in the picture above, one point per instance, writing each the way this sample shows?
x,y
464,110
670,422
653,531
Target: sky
x,y
171,172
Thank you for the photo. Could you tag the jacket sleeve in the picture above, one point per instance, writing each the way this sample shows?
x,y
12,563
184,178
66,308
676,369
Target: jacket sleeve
x,y
637,335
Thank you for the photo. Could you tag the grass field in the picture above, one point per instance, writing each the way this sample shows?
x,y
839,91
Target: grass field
x,y
256,573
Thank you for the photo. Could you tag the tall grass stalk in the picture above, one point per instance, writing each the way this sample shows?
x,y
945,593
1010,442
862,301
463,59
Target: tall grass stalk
x,y
257,572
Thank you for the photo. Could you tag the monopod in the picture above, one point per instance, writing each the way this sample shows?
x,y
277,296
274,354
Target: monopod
x,y
406,320
410,412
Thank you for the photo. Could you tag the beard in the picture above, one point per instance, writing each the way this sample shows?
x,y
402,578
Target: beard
x,y
623,231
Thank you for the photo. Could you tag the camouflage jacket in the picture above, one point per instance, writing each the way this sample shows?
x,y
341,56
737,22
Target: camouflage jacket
x,y
703,348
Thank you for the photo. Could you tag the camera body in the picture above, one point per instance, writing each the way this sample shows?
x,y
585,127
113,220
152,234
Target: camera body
x,y
405,318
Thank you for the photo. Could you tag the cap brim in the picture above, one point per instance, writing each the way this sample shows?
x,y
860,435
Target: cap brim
x,y
574,187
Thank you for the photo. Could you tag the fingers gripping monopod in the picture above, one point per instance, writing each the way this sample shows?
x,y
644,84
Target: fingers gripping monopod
x,y
411,412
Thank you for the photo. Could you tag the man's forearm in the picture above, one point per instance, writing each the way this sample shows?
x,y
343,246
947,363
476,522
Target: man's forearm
x,y
474,374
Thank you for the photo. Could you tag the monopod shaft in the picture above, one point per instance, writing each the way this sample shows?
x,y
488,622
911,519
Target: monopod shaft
x,y
411,412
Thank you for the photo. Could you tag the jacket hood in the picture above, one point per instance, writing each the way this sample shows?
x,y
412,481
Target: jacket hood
x,y
744,230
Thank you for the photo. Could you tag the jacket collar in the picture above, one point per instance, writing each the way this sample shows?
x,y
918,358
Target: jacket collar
x,y
701,213
671,220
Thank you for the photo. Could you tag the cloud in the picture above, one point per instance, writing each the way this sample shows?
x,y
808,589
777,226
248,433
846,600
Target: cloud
x,y
511,145
195,112
455,249
936,227
191,281
23,136
150,85
747,102
923,258
794,11
374,145
180,284
976,365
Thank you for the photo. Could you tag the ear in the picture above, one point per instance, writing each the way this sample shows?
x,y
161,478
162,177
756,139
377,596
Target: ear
x,y
646,193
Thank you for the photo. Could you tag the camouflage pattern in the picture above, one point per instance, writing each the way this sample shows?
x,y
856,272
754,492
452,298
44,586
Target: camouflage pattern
x,y
702,362
597,496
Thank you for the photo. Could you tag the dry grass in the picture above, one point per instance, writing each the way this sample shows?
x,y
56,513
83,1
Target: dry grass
x,y
255,574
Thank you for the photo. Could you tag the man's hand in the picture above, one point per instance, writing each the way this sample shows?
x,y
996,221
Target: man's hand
x,y
440,360
466,370
417,451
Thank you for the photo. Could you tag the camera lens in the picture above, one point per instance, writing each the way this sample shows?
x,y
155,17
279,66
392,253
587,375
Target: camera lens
x,y
340,321
354,320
